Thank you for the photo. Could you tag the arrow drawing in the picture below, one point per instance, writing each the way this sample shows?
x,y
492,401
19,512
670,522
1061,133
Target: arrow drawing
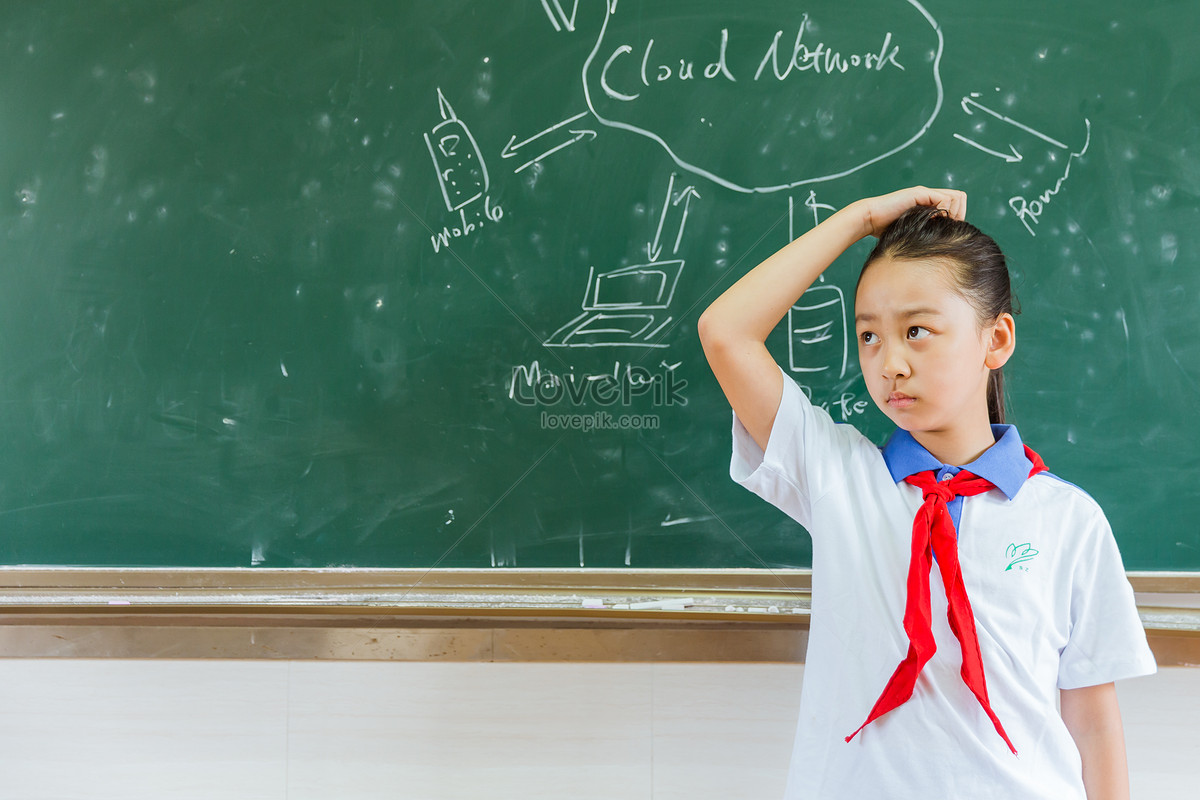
x,y
1011,159
809,202
686,198
654,249
567,21
513,145
969,101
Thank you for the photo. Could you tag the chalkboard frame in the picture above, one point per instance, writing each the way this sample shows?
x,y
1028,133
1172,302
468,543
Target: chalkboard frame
x,y
638,615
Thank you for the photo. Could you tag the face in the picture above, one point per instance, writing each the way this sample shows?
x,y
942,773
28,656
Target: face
x,y
925,357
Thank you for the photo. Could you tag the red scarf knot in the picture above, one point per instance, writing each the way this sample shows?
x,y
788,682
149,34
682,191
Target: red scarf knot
x,y
935,538
938,490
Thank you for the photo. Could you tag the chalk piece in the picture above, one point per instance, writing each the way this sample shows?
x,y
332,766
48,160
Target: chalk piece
x,y
731,608
593,602
757,609
622,606
773,610
118,602
673,605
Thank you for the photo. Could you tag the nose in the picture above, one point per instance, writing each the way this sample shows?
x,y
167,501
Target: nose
x,y
895,361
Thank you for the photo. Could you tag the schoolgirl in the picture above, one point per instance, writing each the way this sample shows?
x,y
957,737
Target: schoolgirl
x,y
970,611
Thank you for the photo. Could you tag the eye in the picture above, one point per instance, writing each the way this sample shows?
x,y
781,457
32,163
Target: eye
x,y
866,337
917,332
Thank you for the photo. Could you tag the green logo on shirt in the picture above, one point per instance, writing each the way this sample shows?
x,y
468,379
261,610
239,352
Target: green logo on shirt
x,y
1019,554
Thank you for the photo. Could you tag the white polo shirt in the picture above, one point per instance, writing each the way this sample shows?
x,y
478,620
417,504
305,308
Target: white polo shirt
x,y
1053,610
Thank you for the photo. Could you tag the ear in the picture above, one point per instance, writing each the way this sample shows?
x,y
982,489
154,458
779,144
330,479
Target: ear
x,y
1001,341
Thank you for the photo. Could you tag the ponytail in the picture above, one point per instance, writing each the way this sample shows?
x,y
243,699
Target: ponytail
x,y
995,396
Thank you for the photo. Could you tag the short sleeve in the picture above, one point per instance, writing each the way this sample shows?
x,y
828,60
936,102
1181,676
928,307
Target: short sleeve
x,y
1107,641
804,455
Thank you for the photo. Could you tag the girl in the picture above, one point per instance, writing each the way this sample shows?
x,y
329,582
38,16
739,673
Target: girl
x,y
961,593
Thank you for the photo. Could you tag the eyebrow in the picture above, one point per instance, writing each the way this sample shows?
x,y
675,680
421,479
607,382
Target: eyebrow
x,y
907,313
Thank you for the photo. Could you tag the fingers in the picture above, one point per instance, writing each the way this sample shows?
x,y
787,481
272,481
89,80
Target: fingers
x,y
952,201
879,212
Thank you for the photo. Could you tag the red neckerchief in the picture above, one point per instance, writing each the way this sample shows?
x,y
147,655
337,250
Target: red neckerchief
x,y
934,537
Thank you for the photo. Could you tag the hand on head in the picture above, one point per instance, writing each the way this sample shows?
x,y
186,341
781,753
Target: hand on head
x,y
879,212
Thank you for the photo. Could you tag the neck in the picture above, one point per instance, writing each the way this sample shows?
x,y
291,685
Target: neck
x,y
957,447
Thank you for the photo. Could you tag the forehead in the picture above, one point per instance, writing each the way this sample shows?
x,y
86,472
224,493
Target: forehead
x,y
889,284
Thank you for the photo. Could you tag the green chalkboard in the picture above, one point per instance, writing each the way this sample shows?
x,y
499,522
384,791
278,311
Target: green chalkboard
x,y
415,284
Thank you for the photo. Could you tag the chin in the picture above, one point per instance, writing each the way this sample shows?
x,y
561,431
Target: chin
x,y
907,422
899,418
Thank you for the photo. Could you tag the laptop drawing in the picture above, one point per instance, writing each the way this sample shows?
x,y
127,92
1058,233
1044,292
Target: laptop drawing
x,y
624,307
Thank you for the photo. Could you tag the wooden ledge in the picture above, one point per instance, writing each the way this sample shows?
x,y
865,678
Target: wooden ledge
x,y
500,615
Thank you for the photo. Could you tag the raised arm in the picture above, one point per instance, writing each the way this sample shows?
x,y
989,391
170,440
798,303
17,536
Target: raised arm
x,y
733,330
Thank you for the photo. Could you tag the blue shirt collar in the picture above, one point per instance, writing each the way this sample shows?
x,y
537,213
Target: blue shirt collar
x,y
1004,463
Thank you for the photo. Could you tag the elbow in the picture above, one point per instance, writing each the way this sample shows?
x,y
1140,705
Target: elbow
x,y
704,327
721,337
710,330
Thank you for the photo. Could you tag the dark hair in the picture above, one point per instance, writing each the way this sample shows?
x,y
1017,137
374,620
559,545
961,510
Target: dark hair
x,y
975,262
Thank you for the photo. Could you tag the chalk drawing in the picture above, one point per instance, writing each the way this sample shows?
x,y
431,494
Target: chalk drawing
x,y
460,167
634,72
673,199
510,149
625,307
558,15
818,340
1030,211
970,101
622,307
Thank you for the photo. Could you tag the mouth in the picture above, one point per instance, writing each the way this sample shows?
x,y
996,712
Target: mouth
x,y
900,400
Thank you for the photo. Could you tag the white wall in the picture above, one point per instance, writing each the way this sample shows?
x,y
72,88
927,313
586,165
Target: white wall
x,y
349,730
